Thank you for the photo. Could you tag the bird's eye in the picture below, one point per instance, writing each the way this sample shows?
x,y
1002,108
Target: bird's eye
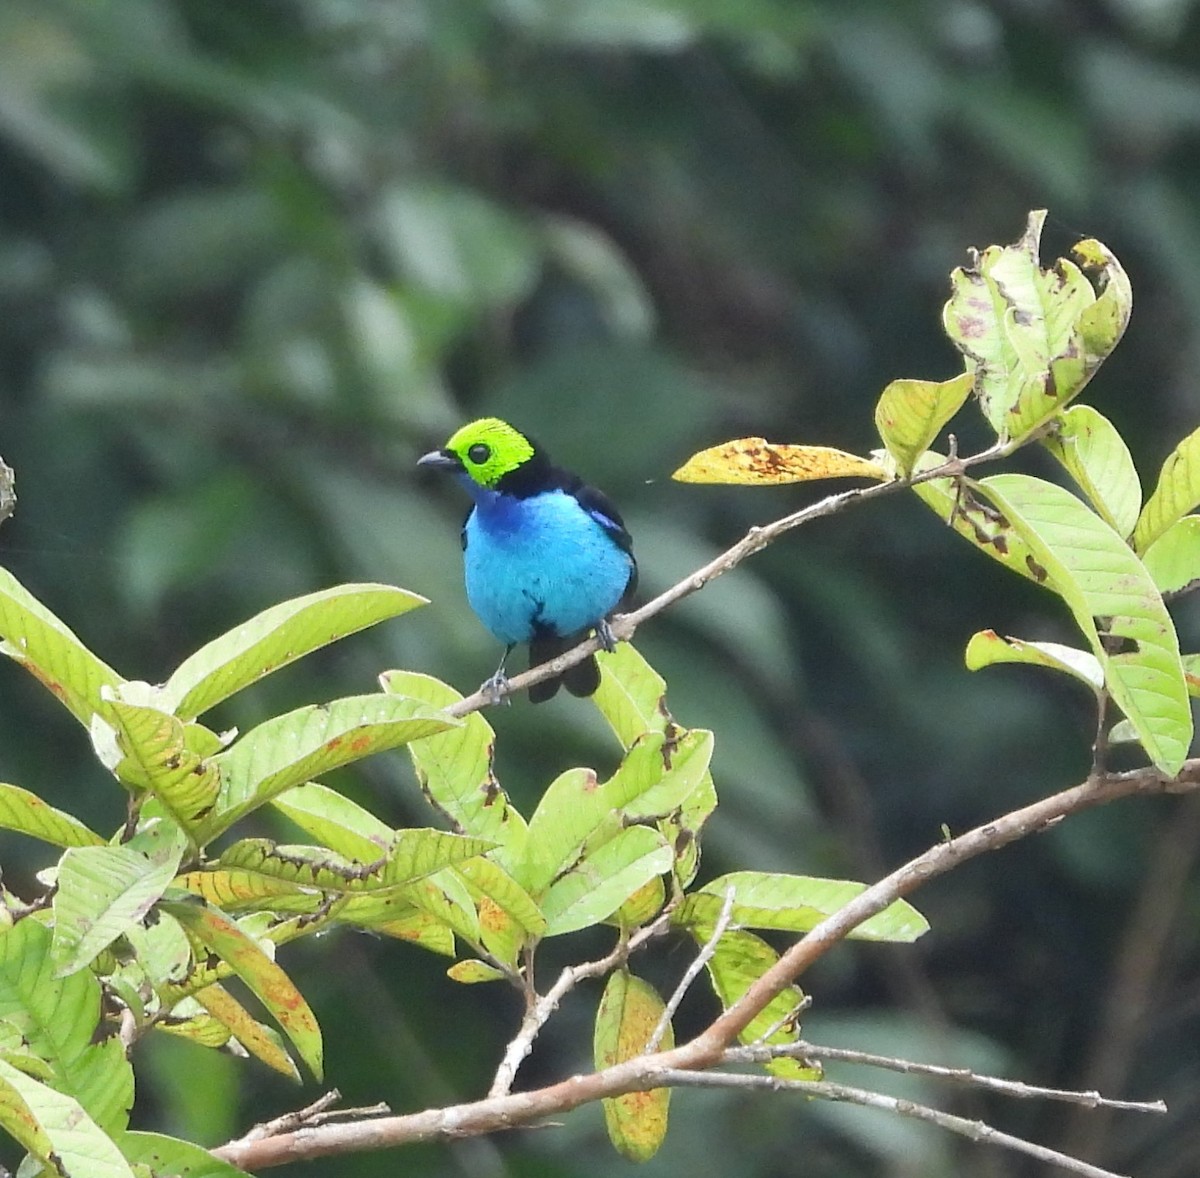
x,y
479,453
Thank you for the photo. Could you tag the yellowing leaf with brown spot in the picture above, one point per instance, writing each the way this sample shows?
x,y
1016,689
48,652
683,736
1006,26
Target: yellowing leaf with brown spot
x,y
757,462
627,1017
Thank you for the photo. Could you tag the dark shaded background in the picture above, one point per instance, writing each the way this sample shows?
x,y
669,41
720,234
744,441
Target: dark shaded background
x,y
257,255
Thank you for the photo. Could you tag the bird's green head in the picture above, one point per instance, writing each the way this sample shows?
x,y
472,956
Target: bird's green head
x,y
486,451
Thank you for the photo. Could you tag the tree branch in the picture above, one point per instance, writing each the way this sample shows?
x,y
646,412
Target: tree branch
x,y
645,1072
756,539
844,1094
1017,1088
542,1008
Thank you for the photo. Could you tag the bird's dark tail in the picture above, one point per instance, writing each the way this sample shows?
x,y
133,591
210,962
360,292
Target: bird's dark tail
x,y
582,679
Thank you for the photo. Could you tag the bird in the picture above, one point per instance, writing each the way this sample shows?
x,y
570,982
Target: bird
x,y
546,557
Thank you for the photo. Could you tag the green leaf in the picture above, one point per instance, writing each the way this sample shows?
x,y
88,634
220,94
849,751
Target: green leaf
x,y
488,878
1103,323
987,648
602,881
1176,493
335,820
273,988
1033,337
911,413
472,971
238,890
957,503
168,1157
289,749
56,1129
1096,457
26,813
412,925
740,959
409,856
797,903
446,897
58,1019
1115,604
654,779
454,768
632,695
276,637
35,638
629,1012
1173,560
157,759
632,698
104,891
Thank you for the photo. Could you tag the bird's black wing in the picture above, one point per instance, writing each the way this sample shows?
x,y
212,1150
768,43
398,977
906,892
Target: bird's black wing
x,y
462,532
604,511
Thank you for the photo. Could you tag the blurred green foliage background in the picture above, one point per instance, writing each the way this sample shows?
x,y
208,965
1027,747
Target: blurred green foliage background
x,y
258,255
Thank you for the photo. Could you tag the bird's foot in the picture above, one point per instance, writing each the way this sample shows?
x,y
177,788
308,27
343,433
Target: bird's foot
x,y
604,632
495,687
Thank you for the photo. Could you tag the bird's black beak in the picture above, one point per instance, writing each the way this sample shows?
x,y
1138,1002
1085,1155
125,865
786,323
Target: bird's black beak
x,y
441,459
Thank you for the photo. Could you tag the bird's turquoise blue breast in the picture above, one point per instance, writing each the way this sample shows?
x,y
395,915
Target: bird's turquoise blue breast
x,y
540,564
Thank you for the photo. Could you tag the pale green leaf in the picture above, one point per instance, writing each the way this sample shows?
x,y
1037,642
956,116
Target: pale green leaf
x,y
601,882
1032,337
797,903
157,759
1173,560
31,635
168,1157
410,855
987,648
1176,493
454,768
26,813
1096,457
472,971
58,1019
740,959
1115,604
488,879
276,637
335,820
911,413
55,1128
629,1012
957,503
289,749
103,891
632,699
266,980
632,695
653,779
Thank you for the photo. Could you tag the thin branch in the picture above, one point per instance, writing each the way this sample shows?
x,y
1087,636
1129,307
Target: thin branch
x,y
1015,1088
756,539
290,1122
691,973
844,1094
644,1072
540,1009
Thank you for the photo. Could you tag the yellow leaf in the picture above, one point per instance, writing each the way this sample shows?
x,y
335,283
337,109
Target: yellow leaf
x,y
755,461
629,1012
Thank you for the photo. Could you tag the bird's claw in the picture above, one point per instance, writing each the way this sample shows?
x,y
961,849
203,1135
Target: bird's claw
x,y
604,632
494,689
